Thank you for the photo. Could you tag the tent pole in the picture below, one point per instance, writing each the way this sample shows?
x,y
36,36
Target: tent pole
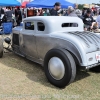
x,y
21,1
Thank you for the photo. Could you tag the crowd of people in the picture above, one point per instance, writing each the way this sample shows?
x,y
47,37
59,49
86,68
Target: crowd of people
x,y
11,14
15,15
87,15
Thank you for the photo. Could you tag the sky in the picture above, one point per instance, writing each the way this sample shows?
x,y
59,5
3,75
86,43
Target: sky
x,y
80,1
84,1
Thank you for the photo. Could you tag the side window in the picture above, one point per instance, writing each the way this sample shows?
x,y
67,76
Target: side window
x,y
29,25
69,25
40,26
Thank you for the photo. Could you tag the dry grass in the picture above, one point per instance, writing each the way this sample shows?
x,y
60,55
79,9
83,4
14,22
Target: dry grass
x,y
21,79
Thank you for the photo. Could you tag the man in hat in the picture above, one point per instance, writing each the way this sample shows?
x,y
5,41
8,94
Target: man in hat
x,y
88,20
54,11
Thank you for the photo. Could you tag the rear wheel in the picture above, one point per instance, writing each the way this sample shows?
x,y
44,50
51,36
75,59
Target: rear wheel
x,y
60,68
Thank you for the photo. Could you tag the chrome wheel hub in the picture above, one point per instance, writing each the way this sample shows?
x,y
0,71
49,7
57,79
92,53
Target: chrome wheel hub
x,y
56,68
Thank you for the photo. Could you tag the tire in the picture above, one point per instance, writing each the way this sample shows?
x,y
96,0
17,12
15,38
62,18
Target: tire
x,y
69,66
1,54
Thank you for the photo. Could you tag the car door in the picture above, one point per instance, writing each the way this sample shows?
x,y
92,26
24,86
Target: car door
x,y
28,39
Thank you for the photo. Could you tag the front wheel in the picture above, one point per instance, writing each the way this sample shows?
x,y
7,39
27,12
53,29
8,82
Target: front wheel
x,y
60,68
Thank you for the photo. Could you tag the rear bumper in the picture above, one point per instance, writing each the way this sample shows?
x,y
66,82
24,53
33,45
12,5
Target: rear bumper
x,y
91,66
91,61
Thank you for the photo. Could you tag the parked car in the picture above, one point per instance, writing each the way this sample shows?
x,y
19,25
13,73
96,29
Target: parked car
x,y
58,44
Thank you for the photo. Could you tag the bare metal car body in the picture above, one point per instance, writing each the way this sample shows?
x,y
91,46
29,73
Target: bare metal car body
x,y
40,35
35,44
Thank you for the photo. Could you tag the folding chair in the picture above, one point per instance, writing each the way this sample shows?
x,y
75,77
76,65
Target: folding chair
x,y
6,28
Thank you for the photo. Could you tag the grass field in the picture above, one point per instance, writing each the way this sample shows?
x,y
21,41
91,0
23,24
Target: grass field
x,y
21,79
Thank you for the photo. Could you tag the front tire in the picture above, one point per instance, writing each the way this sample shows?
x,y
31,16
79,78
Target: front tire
x,y
60,68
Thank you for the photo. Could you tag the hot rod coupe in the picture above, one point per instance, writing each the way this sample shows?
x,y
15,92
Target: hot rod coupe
x,y
58,43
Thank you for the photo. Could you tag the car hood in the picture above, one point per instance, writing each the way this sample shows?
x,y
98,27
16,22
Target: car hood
x,y
17,29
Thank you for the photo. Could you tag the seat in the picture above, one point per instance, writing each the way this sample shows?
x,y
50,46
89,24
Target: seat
x,y
6,28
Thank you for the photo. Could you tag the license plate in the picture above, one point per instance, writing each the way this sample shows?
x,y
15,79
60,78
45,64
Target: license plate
x,y
98,57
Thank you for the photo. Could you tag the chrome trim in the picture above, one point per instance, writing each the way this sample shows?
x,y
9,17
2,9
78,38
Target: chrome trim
x,y
91,66
56,68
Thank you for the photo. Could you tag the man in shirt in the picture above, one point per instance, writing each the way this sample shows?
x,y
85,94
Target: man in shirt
x,y
19,16
71,12
88,20
54,12
9,14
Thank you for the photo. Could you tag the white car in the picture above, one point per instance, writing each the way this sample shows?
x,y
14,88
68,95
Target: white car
x,y
58,45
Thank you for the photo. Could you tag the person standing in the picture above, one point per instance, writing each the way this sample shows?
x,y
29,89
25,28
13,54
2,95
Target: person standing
x,y
71,12
54,11
18,17
88,20
16,14
23,13
9,14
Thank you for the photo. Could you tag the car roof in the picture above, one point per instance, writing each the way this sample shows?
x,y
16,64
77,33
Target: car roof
x,y
53,23
52,18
